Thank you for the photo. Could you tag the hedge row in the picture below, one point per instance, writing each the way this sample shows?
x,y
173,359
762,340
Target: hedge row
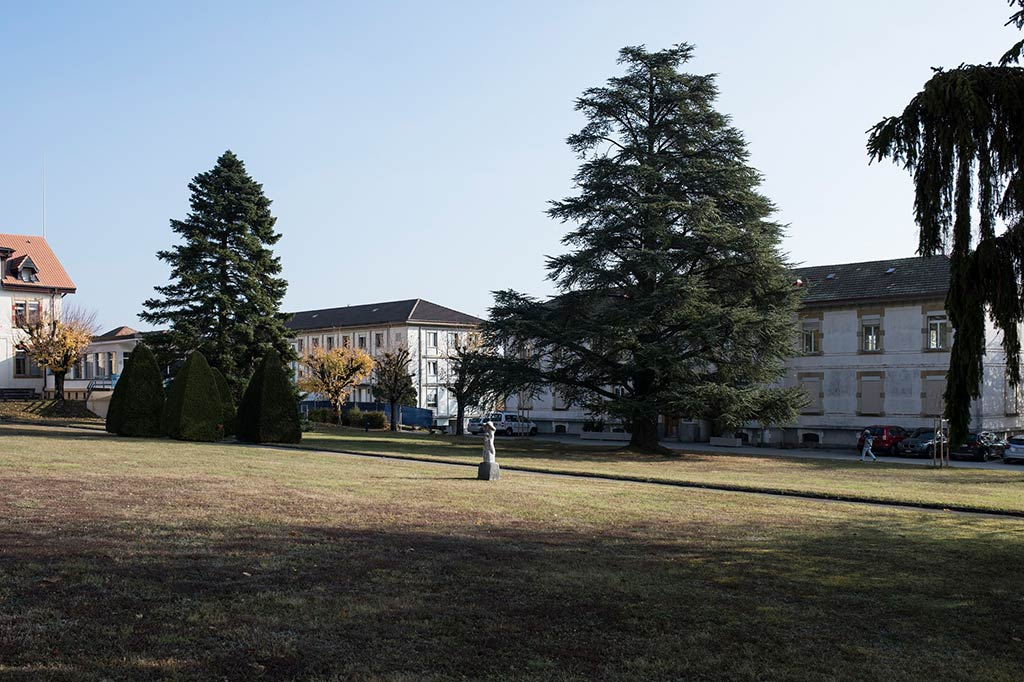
x,y
199,405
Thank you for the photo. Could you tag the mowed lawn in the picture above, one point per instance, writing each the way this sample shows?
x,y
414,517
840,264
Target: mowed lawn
x,y
996,490
132,559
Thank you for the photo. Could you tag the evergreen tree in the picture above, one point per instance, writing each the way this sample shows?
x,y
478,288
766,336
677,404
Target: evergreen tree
x,y
393,383
225,293
193,409
962,137
268,411
675,297
227,402
137,403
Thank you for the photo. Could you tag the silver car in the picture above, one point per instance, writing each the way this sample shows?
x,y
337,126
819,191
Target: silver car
x,y
1014,449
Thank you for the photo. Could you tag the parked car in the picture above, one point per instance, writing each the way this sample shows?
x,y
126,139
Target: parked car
x,y
886,438
1015,450
920,445
508,423
980,447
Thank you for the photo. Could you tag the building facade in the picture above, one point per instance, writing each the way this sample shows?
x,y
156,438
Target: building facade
x,y
872,347
430,332
33,284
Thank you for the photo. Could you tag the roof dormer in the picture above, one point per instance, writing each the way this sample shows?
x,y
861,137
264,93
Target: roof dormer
x,y
25,269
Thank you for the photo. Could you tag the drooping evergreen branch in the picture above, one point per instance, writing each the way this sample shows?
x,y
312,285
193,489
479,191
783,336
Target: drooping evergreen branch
x,y
962,138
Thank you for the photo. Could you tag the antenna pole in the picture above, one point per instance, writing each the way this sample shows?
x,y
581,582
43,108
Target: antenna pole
x,y
44,195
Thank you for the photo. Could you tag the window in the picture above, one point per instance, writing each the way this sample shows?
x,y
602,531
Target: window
x,y
871,334
558,401
432,368
33,312
812,388
315,342
300,345
378,340
330,343
934,387
1011,395
431,339
345,341
525,401
871,395
24,366
432,398
19,313
453,339
809,341
124,359
938,330
362,342
112,363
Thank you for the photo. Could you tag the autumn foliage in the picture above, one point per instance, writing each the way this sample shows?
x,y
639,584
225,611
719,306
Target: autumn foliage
x,y
334,373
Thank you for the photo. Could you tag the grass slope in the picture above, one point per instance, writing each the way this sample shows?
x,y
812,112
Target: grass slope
x,y
137,559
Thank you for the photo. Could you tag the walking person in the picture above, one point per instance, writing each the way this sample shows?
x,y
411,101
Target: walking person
x,y
868,438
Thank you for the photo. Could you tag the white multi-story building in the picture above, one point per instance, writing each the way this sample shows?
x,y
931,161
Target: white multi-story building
x,y
873,349
428,330
33,283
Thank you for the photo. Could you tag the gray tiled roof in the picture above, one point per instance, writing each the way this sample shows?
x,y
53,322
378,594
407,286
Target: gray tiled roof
x,y
414,310
918,277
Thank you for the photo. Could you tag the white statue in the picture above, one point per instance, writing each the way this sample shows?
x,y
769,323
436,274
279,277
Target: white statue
x,y
489,431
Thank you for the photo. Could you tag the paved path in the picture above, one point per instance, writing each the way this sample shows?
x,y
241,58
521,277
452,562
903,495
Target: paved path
x,y
809,453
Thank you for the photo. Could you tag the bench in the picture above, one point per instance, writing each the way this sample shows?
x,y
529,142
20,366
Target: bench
x,y
18,394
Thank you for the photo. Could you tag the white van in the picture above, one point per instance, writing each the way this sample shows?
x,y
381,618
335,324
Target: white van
x,y
507,423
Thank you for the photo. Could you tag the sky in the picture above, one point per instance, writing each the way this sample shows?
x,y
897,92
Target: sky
x,y
411,148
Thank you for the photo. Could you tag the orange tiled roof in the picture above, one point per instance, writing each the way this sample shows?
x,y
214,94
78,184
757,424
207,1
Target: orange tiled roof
x,y
50,272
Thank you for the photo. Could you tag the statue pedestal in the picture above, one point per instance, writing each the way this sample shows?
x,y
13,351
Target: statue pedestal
x,y
488,471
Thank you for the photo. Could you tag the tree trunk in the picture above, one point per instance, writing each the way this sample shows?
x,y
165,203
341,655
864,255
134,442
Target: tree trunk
x,y
336,406
645,435
58,385
395,417
460,415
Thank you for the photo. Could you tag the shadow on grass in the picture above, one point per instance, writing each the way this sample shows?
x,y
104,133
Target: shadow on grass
x,y
101,599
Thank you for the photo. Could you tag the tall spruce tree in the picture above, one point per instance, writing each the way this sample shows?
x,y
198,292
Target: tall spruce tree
x,y
674,298
225,293
964,134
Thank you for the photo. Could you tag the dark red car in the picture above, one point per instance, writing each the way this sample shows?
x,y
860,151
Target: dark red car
x,y
885,438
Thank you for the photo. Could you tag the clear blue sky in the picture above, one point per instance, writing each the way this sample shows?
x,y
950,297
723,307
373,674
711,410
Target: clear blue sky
x,y
410,147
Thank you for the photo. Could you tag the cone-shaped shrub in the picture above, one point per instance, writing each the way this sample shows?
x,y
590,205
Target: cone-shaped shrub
x,y
268,412
138,399
193,409
227,403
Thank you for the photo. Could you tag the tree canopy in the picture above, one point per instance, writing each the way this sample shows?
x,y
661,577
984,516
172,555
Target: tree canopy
x,y
225,293
674,296
393,382
334,373
962,138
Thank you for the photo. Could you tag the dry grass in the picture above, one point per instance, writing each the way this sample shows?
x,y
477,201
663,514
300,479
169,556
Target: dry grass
x,y
996,490
132,559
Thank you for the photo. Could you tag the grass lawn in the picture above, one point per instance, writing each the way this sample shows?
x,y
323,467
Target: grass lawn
x,y
68,413
997,490
132,559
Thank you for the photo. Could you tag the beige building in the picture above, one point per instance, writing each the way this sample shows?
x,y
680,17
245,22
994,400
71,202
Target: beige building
x,y
874,347
428,330
33,283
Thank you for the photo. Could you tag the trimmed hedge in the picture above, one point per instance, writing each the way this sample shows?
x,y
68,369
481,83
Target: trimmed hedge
x,y
137,403
227,402
269,411
193,409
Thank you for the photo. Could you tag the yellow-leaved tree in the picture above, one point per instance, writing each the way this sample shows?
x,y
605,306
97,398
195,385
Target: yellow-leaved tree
x,y
57,343
334,373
